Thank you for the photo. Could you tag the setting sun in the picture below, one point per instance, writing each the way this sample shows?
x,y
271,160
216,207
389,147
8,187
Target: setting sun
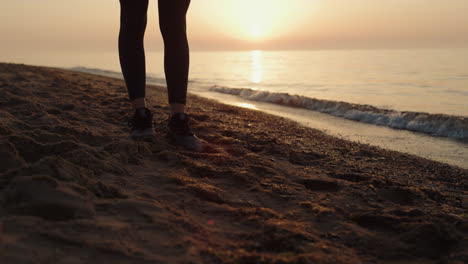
x,y
256,31
254,20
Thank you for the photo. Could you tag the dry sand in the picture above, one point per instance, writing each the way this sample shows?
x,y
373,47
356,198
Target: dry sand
x,y
74,189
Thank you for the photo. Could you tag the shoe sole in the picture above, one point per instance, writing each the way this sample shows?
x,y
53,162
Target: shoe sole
x,y
196,147
142,134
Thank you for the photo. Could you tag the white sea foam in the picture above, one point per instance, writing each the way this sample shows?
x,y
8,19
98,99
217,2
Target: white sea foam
x,y
440,125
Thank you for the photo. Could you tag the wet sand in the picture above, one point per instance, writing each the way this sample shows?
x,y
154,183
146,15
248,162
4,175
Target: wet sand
x,y
74,189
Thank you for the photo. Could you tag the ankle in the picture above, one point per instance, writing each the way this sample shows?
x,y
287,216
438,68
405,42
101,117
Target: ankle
x,y
177,109
138,103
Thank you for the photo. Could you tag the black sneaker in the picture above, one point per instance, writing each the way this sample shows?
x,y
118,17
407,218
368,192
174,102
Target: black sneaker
x,y
181,134
141,124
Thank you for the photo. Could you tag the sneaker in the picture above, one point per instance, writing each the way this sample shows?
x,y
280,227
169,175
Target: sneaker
x,y
141,124
181,134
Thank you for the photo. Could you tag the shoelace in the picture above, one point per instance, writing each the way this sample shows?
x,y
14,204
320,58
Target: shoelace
x,y
180,127
140,123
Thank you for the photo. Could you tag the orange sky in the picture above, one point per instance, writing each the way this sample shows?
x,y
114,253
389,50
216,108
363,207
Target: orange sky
x,y
90,25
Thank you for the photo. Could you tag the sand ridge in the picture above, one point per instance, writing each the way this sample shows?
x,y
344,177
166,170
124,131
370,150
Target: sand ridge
x,y
74,189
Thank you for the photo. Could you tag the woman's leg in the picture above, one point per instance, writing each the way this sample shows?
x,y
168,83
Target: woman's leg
x,y
172,23
133,19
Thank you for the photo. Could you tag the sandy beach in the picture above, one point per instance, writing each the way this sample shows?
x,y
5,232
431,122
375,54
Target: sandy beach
x,y
74,189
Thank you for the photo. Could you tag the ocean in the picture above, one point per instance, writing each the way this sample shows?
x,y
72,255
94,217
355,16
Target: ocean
x,y
414,101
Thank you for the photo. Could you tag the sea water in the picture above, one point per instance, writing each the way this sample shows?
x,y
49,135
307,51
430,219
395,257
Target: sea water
x,y
415,101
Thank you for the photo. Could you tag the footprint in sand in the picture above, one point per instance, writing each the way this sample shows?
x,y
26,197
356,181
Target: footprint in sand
x,y
47,198
206,192
318,185
9,156
305,158
32,151
351,177
400,195
377,220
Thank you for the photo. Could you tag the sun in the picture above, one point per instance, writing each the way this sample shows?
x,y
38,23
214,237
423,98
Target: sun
x,y
255,20
256,31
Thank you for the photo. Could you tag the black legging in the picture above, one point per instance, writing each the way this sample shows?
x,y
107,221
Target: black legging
x,y
172,23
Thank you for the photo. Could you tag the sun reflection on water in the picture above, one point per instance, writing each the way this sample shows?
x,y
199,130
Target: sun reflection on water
x,y
257,66
245,105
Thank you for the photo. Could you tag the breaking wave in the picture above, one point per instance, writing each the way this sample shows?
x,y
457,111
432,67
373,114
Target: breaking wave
x,y
440,125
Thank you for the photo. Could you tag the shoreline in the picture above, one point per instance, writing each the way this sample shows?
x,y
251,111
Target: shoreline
x,y
443,149
269,190
419,122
